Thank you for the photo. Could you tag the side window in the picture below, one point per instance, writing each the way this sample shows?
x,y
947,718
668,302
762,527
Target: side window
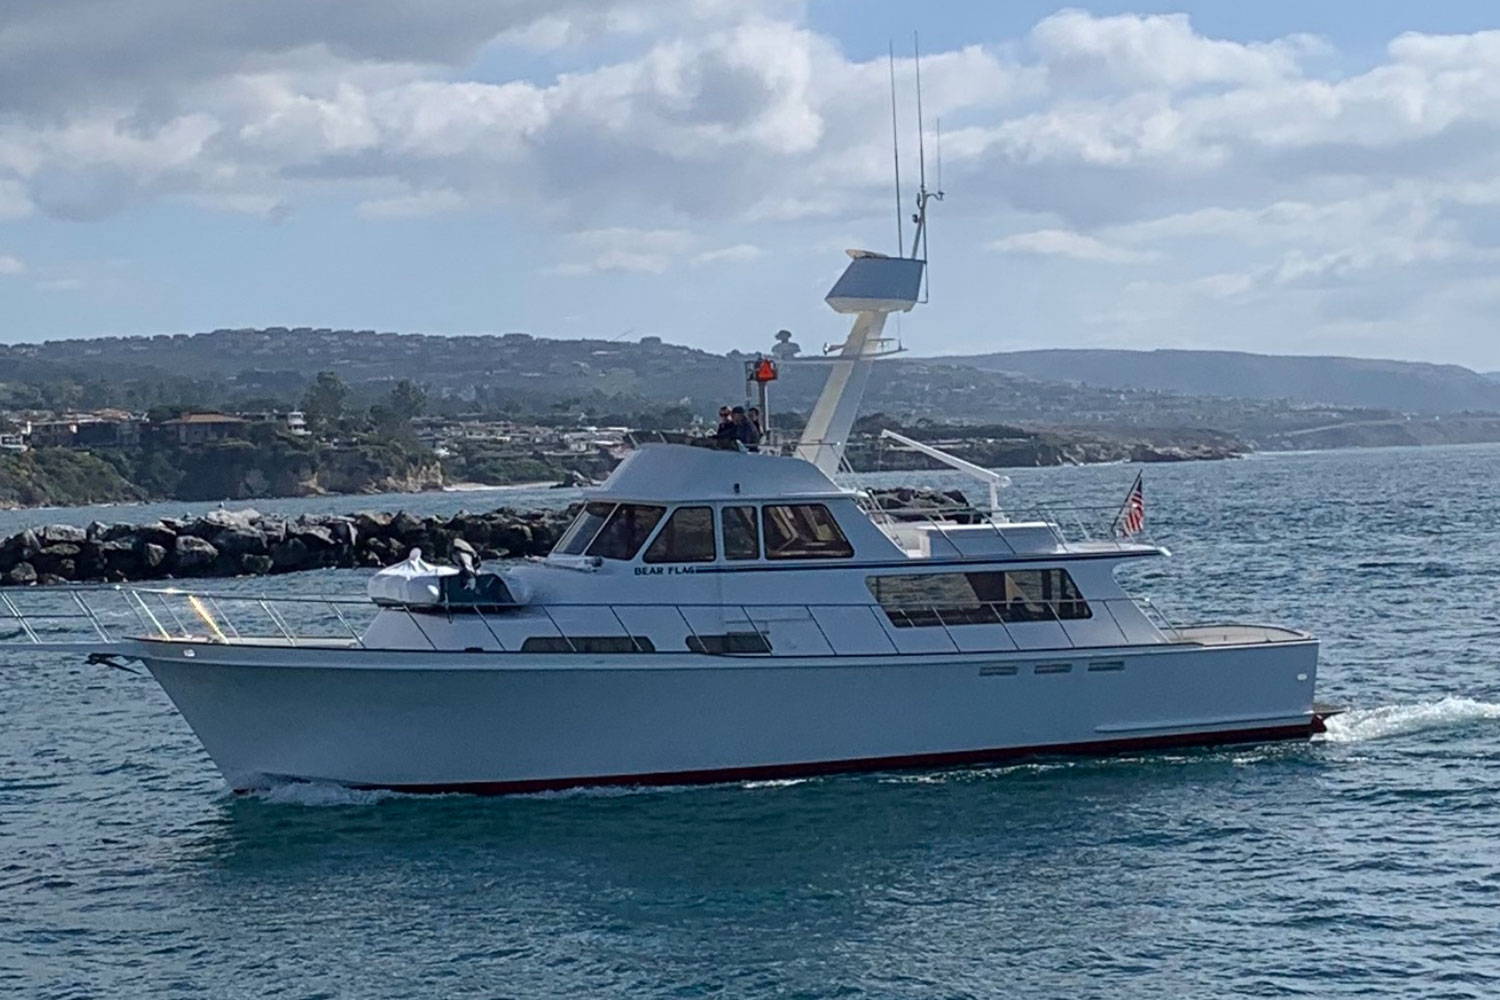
x,y
803,531
688,536
583,529
741,536
1043,595
626,531
917,600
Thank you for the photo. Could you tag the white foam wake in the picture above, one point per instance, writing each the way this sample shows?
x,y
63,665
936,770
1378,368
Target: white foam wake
x,y
1358,725
312,793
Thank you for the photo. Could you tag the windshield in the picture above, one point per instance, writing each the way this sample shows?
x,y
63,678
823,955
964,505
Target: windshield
x,y
626,531
583,529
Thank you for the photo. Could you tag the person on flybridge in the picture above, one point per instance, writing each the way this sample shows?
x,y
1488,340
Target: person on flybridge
x,y
738,431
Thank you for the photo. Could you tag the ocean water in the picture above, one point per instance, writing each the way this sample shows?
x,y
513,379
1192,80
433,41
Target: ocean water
x,y
1366,863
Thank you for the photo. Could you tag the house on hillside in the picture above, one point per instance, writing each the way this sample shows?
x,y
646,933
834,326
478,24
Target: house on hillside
x,y
199,428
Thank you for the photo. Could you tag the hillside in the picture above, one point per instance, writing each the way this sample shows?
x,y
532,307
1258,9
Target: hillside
x,y
1404,386
649,383
596,379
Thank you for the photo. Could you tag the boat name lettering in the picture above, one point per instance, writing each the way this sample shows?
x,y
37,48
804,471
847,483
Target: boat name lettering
x,y
659,570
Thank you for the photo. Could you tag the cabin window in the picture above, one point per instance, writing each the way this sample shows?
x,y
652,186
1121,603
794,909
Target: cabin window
x,y
688,536
587,644
729,642
583,529
803,531
917,600
626,531
741,536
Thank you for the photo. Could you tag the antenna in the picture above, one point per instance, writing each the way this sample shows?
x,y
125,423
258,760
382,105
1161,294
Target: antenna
x,y
919,238
916,54
937,134
896,151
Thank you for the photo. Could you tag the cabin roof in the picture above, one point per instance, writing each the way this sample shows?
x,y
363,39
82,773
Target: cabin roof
x,y
675,473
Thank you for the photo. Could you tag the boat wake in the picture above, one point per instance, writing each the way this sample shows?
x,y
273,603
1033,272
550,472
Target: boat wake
x,y
1359,725
313,793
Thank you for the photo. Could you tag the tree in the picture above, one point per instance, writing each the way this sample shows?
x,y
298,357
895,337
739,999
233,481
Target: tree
x,y
407,400
323,403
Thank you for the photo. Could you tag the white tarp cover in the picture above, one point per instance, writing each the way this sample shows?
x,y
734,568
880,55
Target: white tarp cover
x,y
413,582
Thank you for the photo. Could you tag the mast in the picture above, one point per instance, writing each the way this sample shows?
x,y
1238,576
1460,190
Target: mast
x,y
872,287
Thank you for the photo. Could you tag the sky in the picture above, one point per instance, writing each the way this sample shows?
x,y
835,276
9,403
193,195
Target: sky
x,y
1278,177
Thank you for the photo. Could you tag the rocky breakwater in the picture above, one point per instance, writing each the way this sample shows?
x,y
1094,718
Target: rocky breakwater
x,y
246,542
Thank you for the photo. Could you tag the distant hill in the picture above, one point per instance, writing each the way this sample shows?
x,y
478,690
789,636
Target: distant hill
x,y
1406,386
1090,393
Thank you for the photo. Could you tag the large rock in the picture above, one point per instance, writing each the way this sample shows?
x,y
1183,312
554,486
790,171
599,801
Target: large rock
x,y
372,522
21,574
312,536
255,565
240,541
58,559
69,533
121,555
152,557
157,533
405,527
192,555
289,555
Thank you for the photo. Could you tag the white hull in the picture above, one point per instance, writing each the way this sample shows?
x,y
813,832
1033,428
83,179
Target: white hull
x,y
507,722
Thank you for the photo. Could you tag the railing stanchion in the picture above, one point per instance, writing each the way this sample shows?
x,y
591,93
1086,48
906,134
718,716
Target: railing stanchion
x,y
162,600
630,636
345,622
20,618
938,614
572,648
228,622
88,613
486,623
277,620
418,625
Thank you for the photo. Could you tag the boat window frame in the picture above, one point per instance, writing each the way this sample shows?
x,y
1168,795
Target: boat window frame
x,y
754,510
1015,607
577,524
644,538
666,522
847,551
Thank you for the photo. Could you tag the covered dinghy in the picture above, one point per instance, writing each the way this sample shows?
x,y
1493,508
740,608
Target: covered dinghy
x,y
413,583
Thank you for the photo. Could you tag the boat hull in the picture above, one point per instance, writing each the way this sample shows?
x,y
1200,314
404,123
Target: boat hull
x,y
498,723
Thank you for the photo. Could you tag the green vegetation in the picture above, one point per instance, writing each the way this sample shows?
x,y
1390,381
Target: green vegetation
x,y
50,477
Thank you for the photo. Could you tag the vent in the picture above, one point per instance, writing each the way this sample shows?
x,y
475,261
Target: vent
x,y
997,671
1052,668
1101,666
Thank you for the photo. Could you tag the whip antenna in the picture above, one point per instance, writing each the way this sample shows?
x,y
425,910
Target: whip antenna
x,y
896,151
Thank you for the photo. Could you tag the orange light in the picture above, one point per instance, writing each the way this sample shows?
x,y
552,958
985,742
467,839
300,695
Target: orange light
x,y
765,370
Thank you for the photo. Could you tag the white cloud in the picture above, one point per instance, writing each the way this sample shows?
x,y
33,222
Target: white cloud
x,y
1248,173
1063,243
11,264
740,253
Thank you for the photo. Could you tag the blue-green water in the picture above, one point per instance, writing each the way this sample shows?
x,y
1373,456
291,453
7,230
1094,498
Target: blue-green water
x,y
1366,864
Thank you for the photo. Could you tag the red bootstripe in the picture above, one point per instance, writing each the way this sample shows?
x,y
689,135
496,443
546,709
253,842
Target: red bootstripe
x,y
922,760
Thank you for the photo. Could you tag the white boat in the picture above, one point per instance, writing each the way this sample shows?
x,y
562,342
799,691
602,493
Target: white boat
x,y
719,615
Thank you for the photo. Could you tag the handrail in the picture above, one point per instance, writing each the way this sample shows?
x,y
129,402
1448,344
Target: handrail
x,y
1071,624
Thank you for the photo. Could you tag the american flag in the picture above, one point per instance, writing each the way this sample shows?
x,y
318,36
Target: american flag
x,y
1132,516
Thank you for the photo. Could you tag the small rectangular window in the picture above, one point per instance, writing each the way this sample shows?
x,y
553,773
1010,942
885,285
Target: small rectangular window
x,y
741,535
688,536
626,531
803,531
